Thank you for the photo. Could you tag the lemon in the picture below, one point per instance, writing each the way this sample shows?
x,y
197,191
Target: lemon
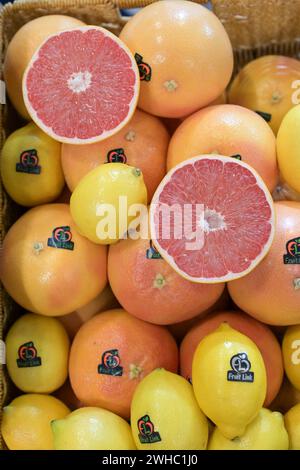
x,y
37,350
92,429
26,422
291,355
101,202
165,414
31,167
265,432
292,424
288,148
229,379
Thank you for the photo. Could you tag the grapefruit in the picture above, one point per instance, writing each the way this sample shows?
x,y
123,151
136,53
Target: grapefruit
x,y
271,293
31,166
21,49
47,267
110,355
227,130
142,143
260,334
265,85
150,289
88,97
212,219
104,301
184,56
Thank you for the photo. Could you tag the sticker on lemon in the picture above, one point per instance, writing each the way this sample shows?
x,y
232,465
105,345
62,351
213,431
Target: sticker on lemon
x,y
288,148
291,355
265,432
106,200
26,421
31,166
165,414
37,349
92,429
229,380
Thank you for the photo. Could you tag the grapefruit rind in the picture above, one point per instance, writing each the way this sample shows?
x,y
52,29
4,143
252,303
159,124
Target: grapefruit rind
x,y
230,275
104,135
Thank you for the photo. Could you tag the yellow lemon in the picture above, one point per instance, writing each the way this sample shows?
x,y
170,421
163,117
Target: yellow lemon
x,y
165,414
229,379
292,424
92,429
102,205
31,167
288,148
265,432
26,422
291,355
37,349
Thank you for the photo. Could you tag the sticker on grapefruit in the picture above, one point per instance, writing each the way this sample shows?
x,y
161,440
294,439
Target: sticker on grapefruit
x,y
81,85
212,219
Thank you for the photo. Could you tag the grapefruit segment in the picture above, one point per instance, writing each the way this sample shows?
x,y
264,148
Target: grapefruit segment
x,y
90,76
235,220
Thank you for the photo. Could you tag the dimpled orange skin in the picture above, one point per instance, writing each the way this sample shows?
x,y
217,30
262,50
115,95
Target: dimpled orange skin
x,y
265,84
189,53
21,49
270,293
151,290
227,130
260,334
144,141
46,280
142,347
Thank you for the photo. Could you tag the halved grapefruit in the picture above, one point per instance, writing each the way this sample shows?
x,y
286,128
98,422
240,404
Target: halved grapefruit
x,y
232,231
81,85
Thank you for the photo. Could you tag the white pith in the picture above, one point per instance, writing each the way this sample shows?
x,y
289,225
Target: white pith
x,y
131,105
80,81
229,276
212,221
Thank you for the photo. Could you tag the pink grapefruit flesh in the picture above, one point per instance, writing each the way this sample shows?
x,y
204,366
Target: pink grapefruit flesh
x,y
237,220
82,85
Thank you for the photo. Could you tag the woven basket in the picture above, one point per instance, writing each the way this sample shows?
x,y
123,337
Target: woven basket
x,y
255,27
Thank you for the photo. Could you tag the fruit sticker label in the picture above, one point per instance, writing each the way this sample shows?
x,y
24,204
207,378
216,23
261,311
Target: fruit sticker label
x,y
144,68
240,366
266,116
292,255
110,364
147,435
29,163
28,356
152,253
61,238
116,156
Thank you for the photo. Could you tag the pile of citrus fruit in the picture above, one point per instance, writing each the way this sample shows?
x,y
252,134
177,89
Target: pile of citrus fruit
x,y
157,259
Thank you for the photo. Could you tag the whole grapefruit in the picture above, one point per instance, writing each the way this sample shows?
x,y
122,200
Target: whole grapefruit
x,y
271,293
184,56
47,267
227,130
110,355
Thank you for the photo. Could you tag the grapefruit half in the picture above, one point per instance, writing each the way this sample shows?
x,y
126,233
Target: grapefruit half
x,y
234,224
81,85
